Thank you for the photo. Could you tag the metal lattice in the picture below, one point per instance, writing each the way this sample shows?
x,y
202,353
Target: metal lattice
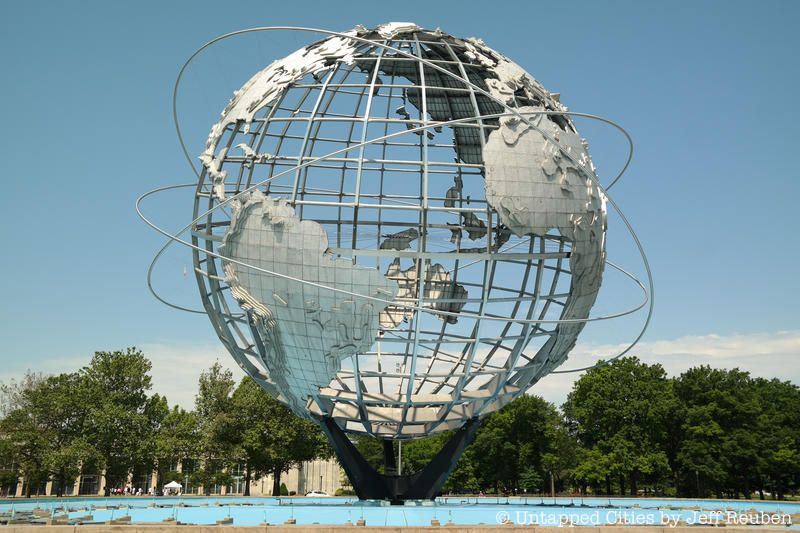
x,y
384,148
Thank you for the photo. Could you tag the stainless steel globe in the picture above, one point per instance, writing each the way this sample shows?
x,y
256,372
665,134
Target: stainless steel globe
x,y
397,229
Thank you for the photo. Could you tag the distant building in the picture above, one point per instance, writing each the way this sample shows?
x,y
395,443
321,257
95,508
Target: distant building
x,y
324,475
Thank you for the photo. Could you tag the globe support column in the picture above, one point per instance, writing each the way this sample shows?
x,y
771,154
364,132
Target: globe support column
x,y
423,485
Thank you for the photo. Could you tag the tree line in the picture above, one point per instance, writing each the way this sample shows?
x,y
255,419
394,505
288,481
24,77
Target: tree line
x,y
629,429
103,419
626,428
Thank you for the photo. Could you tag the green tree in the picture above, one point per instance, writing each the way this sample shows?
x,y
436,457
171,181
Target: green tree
x,y
177,439
244,424
462,479
739,434
522,447
593,469
371,449
289,441
719,451
418,453
22,443
559,461
119,427
253,432
63,415
23,435
619,412
778,428
43,431
217,422
9,469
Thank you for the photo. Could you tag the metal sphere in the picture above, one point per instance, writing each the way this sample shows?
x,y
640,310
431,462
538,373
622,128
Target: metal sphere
x,y
397,228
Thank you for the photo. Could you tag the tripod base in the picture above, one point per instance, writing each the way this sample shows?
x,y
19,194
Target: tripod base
x,y
423,485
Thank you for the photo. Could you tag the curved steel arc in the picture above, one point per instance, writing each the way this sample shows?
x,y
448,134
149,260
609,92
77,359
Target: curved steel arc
x,y
649,310
164,249
342,291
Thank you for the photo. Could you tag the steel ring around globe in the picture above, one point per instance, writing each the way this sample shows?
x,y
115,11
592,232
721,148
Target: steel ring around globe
x,y
175,238
648,294
226,201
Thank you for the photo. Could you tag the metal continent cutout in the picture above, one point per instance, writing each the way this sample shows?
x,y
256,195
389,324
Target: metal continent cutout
x,y
305,330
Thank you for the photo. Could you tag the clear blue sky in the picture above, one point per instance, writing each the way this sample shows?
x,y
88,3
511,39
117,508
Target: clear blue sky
x,y
707,89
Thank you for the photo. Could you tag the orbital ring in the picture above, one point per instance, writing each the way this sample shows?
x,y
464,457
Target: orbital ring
x,y
173,238
424,61
371,298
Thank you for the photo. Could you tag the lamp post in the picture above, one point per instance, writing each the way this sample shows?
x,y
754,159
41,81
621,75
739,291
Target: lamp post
x,y
697,477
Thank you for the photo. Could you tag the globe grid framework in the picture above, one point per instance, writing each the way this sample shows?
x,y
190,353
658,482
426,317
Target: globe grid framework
x,y
398,230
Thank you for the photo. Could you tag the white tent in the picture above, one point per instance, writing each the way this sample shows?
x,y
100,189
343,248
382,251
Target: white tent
x,y
172,486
